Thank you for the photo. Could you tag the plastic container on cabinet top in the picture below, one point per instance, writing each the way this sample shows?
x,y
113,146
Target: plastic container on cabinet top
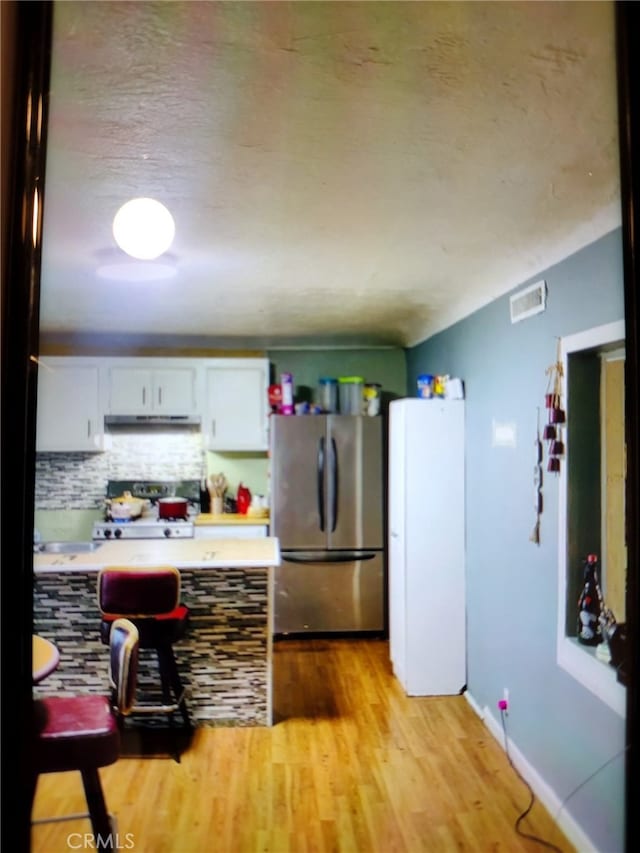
x,y
350,394
328,394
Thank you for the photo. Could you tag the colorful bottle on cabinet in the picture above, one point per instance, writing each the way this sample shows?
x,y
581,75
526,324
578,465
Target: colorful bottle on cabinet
x,y
425,386
286,383
371,399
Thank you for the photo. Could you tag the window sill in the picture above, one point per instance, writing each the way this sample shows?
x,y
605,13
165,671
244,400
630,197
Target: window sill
x,y
596,675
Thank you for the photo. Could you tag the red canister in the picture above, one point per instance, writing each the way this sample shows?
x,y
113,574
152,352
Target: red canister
x,y
243,499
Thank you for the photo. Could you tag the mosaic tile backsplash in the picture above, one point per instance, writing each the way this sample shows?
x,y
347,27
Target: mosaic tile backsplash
x,y
224,660
79,480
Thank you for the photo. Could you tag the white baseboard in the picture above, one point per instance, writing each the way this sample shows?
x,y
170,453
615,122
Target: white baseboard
x,y
547,796
473,704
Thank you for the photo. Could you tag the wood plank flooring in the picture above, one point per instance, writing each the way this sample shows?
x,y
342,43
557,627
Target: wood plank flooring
x,y
351,766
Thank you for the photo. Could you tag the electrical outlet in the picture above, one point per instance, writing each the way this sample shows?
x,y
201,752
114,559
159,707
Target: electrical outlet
x,y
503,704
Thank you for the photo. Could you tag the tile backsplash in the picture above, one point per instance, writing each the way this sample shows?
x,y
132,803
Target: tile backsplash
x,y
70,480
78,480
175,455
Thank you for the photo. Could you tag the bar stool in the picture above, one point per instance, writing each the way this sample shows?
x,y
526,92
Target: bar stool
x,y
83,732
150,598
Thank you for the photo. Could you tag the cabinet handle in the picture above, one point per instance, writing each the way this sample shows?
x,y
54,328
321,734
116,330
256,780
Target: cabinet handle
x,y
144,396
213,427
160,396
89,428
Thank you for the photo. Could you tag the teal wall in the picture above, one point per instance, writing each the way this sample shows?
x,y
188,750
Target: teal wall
x,y
561,728
385,366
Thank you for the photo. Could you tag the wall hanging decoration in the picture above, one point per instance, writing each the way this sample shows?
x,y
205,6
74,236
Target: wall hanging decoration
x,y
537,484
556,416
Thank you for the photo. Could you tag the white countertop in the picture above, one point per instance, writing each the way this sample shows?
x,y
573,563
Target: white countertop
x,y
181,553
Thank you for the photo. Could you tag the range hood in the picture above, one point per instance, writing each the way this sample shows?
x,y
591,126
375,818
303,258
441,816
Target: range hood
x,y
114,421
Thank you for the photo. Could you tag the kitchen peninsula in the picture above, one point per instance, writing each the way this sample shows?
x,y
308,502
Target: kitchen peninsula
x,y
225,660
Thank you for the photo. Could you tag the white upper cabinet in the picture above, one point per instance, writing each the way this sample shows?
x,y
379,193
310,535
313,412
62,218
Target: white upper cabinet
x,y
236,414
227,395
68,416
145,390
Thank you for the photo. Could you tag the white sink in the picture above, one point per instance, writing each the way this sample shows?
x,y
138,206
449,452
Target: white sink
x,y
67,547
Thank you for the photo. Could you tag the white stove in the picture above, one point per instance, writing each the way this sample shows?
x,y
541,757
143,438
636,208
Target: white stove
x,y
143,528
149,525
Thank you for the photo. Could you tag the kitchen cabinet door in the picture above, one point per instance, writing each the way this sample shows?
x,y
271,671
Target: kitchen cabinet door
x,y
174,391
144,390
236,405
68,416
130,391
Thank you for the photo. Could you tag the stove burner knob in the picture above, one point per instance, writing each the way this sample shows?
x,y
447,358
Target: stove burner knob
x,y
167,532
118,534
107,534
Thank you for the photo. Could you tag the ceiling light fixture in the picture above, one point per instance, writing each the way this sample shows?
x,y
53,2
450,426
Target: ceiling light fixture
x,y
143,228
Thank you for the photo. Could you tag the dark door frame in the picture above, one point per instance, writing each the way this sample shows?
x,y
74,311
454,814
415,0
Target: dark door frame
x,y
29,77
26,28
628,54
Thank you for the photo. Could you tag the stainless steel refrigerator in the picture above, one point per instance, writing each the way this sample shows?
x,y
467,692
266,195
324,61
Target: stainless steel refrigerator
x,y
327,501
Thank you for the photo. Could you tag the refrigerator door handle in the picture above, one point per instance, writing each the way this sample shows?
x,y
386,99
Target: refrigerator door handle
x,y
335,557
321,460
334,485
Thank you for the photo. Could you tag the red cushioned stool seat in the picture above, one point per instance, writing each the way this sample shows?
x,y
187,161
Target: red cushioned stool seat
x,y
82,732
75,732
153,630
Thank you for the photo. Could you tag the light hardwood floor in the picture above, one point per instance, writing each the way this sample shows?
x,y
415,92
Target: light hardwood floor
x,y
351,765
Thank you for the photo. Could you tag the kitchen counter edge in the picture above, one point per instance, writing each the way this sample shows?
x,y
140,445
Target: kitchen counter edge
x,y
208,518
183,554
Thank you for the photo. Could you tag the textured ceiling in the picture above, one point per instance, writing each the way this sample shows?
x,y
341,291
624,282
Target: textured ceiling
x,y
339,173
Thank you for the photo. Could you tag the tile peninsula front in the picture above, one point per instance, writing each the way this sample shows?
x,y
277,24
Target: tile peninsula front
x,y
225,659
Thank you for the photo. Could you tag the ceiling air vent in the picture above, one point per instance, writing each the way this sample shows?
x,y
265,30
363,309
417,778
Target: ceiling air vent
x,y
532,300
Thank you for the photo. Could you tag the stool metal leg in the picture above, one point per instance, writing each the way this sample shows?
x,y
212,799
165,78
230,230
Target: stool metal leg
x,y
178,687
165,678
100,822
167,697
172,684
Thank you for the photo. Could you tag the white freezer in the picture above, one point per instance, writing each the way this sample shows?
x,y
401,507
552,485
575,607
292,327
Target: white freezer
x,y
426,564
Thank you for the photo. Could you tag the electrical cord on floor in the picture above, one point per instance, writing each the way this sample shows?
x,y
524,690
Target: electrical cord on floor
x,y
590,777
523,814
